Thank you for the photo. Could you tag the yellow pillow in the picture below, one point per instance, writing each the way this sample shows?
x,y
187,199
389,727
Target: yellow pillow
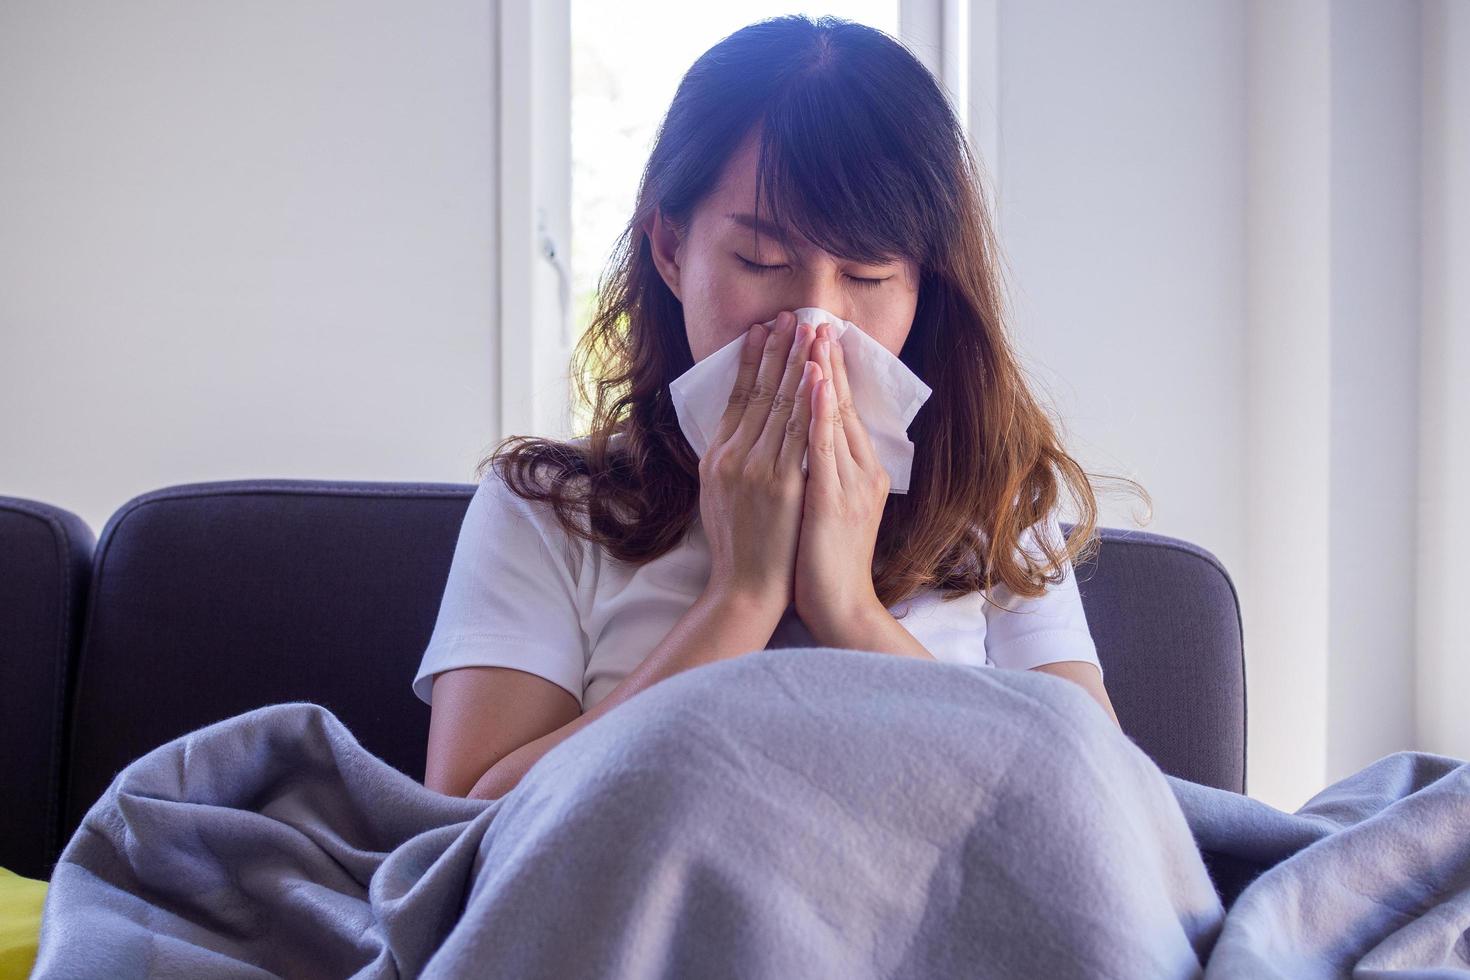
x,y
20,923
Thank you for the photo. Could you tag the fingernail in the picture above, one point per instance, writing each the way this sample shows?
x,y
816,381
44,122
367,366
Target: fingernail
x,y
785,319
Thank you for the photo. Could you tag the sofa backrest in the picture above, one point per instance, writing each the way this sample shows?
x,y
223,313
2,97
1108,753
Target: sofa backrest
x,y
1166,619
45,564
210,599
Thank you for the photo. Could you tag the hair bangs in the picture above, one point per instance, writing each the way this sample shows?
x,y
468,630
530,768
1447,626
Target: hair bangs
x,y
824,181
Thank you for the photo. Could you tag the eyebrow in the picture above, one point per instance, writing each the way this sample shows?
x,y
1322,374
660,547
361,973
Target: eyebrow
x,y
757,224
774,231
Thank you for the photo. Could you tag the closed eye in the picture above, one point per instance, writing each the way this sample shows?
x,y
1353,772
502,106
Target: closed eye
x,y
761,270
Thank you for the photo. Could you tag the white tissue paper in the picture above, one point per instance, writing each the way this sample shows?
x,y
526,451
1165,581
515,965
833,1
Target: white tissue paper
x,y
886,394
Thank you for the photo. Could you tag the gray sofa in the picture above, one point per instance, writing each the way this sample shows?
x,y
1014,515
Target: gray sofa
x,y
201,601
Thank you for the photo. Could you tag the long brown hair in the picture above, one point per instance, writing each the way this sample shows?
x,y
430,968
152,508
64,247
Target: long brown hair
x,y
861,152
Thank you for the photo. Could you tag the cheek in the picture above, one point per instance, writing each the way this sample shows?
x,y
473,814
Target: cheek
x,y
720,305
891,326
899,319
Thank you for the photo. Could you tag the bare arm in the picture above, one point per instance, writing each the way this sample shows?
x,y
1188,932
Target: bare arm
x,y
876,631
478,715
1088,676
713,628
880,632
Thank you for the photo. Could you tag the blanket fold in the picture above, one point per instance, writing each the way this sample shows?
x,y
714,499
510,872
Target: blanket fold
x,y
790,812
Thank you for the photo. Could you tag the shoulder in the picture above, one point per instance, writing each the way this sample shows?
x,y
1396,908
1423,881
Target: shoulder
x,y
519,517
560,464
1029,541
548,464
1048,529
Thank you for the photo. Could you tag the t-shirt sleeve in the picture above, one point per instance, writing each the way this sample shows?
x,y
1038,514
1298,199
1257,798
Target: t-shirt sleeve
x,y
1046,629
511,596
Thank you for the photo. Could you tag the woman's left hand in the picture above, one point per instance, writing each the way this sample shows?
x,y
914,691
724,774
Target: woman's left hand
x,y
846,490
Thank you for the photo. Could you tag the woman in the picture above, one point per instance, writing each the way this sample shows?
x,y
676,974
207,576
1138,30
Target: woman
x,y
625,558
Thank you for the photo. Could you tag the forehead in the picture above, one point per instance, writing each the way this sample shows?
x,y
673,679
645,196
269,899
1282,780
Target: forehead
x,y
736,189
731,208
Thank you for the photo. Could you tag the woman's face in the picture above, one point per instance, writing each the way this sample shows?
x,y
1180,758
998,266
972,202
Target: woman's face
x,y
722,297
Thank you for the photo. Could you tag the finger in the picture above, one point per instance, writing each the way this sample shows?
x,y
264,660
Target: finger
x,y
794,446
847,466
859,443
821,463
763,389
773,437
750,361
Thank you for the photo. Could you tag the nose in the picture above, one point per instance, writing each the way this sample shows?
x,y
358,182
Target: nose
x,y
822,304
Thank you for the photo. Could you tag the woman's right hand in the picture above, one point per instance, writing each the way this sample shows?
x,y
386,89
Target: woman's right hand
x,y
751,485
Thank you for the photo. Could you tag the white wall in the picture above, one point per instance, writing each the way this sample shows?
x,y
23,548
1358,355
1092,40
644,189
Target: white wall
x,y
1285,394
1444,434
1120,174
1221,259
1374,402
244,240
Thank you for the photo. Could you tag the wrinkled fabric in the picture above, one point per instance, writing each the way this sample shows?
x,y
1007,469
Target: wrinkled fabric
x,y
790,812
1368,879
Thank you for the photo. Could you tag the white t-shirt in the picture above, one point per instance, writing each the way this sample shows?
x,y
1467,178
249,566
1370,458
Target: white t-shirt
x,y
523,593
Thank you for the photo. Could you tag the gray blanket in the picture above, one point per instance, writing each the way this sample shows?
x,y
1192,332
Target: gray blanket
x,y
789,813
